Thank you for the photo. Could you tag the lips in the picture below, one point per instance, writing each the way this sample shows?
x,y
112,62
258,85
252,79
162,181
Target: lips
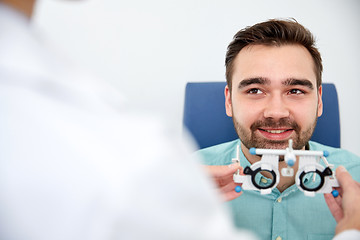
x,y
274,131
276,134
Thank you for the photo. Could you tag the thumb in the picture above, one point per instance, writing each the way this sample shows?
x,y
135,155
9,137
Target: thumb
x,y
223,170
344,178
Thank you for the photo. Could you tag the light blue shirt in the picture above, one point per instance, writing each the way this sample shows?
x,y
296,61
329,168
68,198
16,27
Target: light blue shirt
x,y
290,214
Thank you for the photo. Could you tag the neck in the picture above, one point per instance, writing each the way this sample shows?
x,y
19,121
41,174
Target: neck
x,y
25,7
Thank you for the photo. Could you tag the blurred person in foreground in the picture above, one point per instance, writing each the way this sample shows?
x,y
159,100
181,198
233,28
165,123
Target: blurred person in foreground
x,y
75,165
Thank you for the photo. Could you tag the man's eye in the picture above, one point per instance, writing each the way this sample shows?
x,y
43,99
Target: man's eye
x,y
254,91
296,91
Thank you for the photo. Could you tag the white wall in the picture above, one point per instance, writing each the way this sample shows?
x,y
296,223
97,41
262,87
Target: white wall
x,y
150,49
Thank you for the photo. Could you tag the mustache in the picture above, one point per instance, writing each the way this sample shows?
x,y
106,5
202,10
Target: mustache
x,y
271,123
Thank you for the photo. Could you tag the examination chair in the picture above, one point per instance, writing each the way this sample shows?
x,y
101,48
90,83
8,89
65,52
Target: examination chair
x,y
207,122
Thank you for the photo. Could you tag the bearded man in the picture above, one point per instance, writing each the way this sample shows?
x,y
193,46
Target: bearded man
x,y
274,94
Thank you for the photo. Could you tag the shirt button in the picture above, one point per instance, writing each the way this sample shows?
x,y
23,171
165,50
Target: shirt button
x,y
279,201
278,238
263,180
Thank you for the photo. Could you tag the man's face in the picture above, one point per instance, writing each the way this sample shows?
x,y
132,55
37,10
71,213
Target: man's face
x,y
274,96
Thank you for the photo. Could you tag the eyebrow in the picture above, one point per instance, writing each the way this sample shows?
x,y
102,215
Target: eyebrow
x,y
257,80
302,82
265,81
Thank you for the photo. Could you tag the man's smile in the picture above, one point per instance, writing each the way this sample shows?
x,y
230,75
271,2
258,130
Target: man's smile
x,y
276,134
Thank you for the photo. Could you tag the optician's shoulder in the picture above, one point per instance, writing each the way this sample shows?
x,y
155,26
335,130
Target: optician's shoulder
x,y
219,154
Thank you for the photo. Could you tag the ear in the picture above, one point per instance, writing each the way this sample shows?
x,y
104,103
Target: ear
x,y
228,105
320,102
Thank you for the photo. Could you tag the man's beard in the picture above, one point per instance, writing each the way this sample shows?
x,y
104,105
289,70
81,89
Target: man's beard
x,y
255,140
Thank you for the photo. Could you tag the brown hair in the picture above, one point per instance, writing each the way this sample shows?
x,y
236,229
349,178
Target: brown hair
x,y
273,33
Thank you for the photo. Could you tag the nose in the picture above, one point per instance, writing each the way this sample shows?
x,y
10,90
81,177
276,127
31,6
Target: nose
x,y
276,108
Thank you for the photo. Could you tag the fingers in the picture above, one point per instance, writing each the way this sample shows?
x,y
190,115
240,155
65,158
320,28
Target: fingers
x,y
223,181
231,195
228,191
350,197
334,205
230,187
222,171
223,177
345,180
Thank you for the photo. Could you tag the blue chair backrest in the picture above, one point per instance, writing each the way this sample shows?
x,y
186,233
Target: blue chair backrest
x,y
206,120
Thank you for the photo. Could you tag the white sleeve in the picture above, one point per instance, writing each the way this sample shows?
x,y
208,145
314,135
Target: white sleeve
x,y
69,174
348,235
